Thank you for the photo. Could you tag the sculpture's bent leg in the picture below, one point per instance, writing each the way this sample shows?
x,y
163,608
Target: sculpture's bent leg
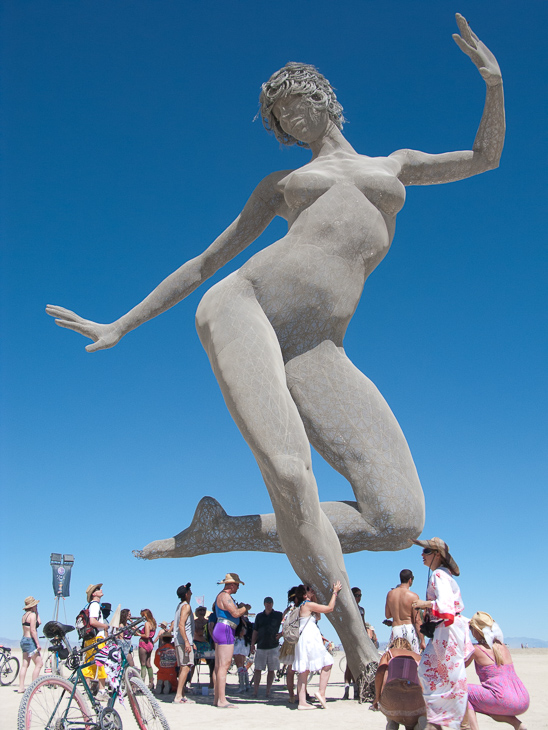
x,y
245,356
350,424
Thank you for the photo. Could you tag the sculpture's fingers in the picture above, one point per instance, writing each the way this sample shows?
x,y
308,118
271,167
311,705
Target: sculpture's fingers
x,y
79,327
465,30
465,48
99,345
55,311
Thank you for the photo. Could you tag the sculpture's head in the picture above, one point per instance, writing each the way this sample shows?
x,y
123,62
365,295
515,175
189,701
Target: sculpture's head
x,y
316,97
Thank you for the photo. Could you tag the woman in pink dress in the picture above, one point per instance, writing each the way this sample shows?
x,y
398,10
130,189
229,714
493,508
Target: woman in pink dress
x,y
501,694
442,670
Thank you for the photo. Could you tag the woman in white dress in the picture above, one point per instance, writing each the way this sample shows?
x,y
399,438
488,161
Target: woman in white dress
x,y
310,652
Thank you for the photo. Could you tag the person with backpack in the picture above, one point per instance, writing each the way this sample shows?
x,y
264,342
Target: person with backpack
x,y
310,652
287,651
92,627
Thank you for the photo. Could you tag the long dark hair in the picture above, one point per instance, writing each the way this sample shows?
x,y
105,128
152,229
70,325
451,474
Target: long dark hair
x,y
124,613
300,594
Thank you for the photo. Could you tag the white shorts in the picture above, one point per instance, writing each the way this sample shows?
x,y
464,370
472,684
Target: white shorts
x,y
267,659
406,631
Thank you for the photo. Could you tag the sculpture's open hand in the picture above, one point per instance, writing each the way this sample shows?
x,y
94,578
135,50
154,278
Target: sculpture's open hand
x,y
103,335
481,56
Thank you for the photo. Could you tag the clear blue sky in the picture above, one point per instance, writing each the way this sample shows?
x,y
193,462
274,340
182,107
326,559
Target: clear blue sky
x,y
128,144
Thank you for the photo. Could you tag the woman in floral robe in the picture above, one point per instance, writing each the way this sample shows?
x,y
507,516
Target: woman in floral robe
x,y
442,671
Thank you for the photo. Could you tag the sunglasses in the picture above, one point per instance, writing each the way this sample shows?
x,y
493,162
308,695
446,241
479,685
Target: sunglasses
x,y
428,551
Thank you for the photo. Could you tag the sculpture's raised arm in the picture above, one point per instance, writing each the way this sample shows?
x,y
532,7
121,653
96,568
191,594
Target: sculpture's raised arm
x,y
258,212
420,168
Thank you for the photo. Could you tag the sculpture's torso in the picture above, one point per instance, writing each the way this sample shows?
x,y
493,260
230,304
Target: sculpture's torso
x,y
341,215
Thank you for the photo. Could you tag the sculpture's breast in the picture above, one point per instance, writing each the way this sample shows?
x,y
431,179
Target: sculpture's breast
x,y
371,176
302,188
382,189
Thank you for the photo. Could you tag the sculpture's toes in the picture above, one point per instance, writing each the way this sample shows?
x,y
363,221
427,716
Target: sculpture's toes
x,y
202,536
157,549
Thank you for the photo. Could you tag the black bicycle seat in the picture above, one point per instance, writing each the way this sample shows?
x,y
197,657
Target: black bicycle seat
x,y
56,630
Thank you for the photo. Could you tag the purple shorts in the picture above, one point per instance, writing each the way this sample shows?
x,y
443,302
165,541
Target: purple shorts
x,y
223,634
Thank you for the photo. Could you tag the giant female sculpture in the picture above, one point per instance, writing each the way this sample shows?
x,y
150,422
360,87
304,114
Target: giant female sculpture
x,y
274,330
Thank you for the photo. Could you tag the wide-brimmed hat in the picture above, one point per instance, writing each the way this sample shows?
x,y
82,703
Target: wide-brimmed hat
x,y
485,624
167,635
30,602
90,590
441,547
231,578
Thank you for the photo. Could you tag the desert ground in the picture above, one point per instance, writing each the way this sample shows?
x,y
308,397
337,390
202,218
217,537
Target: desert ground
x,y
531,666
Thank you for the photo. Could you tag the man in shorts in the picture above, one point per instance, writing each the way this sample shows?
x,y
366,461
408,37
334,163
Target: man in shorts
x,y
98,622
399,612
266,637
183,638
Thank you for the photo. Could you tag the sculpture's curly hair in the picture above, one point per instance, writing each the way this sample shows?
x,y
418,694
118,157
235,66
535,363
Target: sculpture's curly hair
x,y
302,79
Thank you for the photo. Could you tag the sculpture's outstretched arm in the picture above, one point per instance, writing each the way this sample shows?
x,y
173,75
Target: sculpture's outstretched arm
x,y
420,168
258,212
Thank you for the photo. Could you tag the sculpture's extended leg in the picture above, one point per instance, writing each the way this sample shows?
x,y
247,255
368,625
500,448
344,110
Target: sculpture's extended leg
x,y
247,361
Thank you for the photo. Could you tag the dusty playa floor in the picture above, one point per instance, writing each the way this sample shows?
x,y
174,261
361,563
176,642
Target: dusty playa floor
x,y
261,714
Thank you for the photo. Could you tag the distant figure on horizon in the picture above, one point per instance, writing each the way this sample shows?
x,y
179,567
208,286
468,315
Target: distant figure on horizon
x,y
30,643
501,694
406,621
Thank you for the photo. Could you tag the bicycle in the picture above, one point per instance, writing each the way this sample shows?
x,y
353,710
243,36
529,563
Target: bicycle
x,y
56,703
9,666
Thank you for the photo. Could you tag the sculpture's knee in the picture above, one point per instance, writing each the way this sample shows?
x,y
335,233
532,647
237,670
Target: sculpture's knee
x,y
395,521
290,482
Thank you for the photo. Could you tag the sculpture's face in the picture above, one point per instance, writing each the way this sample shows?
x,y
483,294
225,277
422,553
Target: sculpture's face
x,y
300,119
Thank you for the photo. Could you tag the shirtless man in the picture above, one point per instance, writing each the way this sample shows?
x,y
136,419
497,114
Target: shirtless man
x,y
405,621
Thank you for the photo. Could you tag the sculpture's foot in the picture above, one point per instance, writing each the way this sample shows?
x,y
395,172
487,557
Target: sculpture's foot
x,y
212,530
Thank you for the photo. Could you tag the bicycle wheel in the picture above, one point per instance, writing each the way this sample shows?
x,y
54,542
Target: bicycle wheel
x,y
46,703
9,671
144,705
342,663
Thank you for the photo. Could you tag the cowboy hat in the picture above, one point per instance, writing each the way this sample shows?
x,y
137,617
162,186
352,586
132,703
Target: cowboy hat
x,y
30,601
90,590
437,544
231,578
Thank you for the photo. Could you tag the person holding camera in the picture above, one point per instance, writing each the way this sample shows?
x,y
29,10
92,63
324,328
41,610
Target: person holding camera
x,y
442,670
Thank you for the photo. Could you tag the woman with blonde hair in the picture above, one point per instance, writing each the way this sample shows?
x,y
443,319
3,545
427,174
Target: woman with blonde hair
x,y
398,694
146,645
501,694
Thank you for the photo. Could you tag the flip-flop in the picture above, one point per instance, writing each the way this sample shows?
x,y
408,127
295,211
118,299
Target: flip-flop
x,y
227,707
321,700
183,701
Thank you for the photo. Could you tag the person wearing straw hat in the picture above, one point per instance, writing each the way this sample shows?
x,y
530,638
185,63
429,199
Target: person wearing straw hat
x,y
501,694
442,670
228,618
97,621
30,643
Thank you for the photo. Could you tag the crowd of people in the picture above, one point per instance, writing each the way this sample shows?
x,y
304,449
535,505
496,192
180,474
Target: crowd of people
x,y
420,680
